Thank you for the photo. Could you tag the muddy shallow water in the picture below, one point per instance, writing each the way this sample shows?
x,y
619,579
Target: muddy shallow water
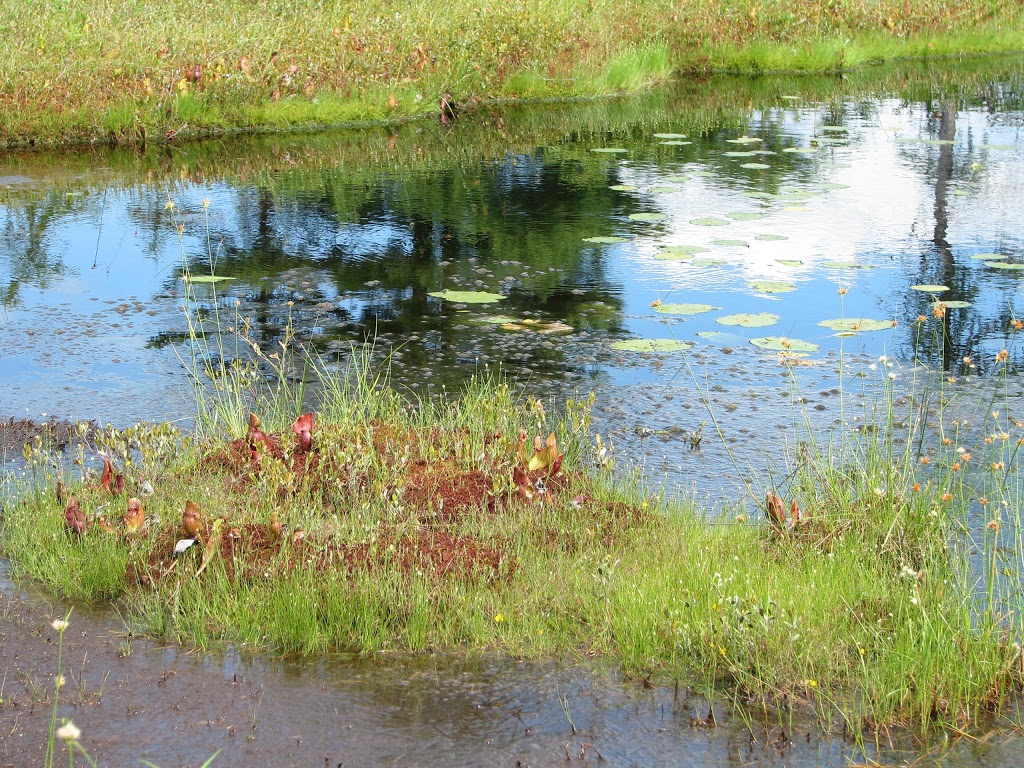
x,y
807,200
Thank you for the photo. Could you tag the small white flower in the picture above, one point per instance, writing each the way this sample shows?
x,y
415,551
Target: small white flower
x,y
60,625
873,367
892,377
69,732
879,491
913,600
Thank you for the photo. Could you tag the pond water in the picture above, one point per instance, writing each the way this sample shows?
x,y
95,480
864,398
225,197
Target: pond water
x,y
736,216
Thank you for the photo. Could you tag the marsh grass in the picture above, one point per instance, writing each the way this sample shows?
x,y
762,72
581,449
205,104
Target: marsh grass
x,y
117,71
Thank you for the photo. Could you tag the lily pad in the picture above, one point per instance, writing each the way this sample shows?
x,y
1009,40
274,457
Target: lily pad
x,y
684,309
677,178
745,140
771,286
835,129
749,320
996,146
495,319
205,278
680,252
801,150
670,135
770,237
940,142
645,216
663,190
610,150
856,325
674,143
624,187
738,153
710,222
928,288
826,140
756,166
709,262
955,304
746,215
990,256
760,195
538,326
783,344
731,243
606,239
846,265
789,262
467,297
652,345
1003,265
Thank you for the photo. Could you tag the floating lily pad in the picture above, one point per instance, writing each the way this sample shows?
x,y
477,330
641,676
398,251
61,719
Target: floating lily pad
x,y
606,239
205,278
1003,265
746,215
770,237
990,256
856,325
670,135
610,150
760,195
652,345
745,140
801,150
940,142
624,187
731,243
710,222
677,178
467,297
749,320
684,309
538,326
794,194
846,265
771,286
835,129
930,288
955,304
495,319
789,262
648,216
961,193
721,337
709,262
675,143
738,153
756,166
702,173
783,344
663,190
825,140
996,146
680,252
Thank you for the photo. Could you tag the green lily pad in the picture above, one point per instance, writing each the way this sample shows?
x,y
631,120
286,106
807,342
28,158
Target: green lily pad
x,y
996,146
606,239
709,262
495,319
760,195
674,143
961,193
956,304
702,173
801,150
680,252
794,194
624,187
610,150
652,345
684,309
940,142
467,297
789,262
826,140
846,265
856,325
670,135
1003,265
710,222
205,278
783,344
770,237
756,166
745,140
537,326
731,243
990,256
746,215
663,190
771,286
749,320
835,129
679,179
738,153
648,216
928,288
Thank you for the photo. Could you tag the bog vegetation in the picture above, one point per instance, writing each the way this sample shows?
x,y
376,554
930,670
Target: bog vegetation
x,y
120,71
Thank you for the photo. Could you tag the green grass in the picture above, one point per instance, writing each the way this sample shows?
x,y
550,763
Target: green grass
x,y
117,70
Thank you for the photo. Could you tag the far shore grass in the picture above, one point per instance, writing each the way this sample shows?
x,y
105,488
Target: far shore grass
x,y
120,71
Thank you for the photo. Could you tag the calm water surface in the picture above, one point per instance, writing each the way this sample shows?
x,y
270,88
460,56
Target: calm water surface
x,y
809,200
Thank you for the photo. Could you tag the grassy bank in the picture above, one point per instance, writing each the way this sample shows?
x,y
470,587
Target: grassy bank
x,y
462,525
117,70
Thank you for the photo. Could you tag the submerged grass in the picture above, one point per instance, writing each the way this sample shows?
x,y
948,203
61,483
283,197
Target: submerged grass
x,y
117,70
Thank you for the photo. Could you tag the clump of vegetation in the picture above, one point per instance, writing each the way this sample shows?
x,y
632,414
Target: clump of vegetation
x,y
69,74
